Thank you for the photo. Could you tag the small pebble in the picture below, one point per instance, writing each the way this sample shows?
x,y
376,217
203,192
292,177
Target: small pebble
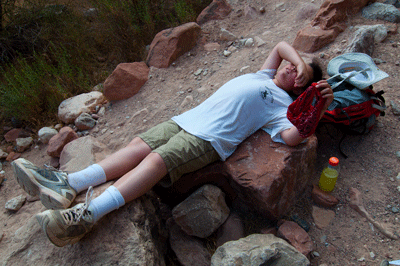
x,y
227,53
372,254
198,72
315,254
361,259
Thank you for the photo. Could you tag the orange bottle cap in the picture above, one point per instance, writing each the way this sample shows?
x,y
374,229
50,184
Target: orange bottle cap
x,y
333,161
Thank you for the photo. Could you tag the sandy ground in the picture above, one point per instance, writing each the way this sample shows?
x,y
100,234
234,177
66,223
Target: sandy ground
x,y
372,165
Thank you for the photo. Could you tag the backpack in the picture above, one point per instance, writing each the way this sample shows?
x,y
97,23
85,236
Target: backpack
x,y
354,110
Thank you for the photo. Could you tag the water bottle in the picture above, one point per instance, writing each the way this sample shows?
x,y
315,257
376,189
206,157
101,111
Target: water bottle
x,y
329,175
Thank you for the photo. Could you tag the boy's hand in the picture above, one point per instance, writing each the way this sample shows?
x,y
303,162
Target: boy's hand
x,y
303,75
326,92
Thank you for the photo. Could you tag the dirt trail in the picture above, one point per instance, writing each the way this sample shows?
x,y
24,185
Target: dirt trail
x,y
372,165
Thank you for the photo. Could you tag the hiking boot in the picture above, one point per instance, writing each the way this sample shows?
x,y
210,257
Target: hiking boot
x,y
51,185
68,226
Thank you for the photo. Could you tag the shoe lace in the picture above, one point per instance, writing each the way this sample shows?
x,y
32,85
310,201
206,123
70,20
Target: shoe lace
x,y
74,215
51,168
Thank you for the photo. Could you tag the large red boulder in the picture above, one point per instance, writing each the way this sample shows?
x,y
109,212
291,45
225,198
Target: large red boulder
x,y
218,9
311,39
126,80
328,23
171,43
261,176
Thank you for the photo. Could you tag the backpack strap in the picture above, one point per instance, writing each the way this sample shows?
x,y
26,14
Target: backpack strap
x,y
382,103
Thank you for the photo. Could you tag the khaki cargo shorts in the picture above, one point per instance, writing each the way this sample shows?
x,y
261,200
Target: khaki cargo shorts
x,y
182,152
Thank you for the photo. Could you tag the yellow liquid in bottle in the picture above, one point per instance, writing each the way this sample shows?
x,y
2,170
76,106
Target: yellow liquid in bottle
x,y
328,179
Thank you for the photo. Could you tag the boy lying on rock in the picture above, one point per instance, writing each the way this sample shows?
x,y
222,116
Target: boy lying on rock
x,y
209,132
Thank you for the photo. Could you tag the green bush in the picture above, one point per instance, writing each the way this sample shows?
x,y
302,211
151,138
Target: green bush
x,y
51,51
32,91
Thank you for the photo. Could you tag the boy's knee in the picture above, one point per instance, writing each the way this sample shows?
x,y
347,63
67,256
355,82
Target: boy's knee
x,y
139,144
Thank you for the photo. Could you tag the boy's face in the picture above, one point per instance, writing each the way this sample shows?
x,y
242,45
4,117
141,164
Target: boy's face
x,y
286,78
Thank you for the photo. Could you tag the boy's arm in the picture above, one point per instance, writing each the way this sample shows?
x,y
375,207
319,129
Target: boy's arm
x,y
284,51
292,136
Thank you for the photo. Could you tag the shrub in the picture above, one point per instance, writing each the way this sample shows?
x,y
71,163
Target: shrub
x,y
32,90
51,51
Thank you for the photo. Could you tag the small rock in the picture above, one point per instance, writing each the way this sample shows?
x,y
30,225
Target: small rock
x,y
322,198
249,42
398,175
24,143
296,236
378,61
102,111
85,121
58,127
395,108
46,133
198,72
16,203
3,154
395,209
259,41
227,36
227,53
322,217
2,176
13,156
315,254
232,49
186,101
280,6
372,254
245,68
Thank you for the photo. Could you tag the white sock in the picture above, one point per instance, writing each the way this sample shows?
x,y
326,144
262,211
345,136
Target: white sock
x,y
111,199
93,175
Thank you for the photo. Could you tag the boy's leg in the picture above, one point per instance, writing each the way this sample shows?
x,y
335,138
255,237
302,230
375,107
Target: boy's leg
x,y
142,178
57,190
121,162
58,224
195,152
112,167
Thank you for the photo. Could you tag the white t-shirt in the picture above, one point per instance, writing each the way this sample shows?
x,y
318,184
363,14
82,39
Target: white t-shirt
x,y
238,109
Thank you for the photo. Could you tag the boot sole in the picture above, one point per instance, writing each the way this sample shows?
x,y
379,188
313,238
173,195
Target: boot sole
x,y
44,220
49,198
